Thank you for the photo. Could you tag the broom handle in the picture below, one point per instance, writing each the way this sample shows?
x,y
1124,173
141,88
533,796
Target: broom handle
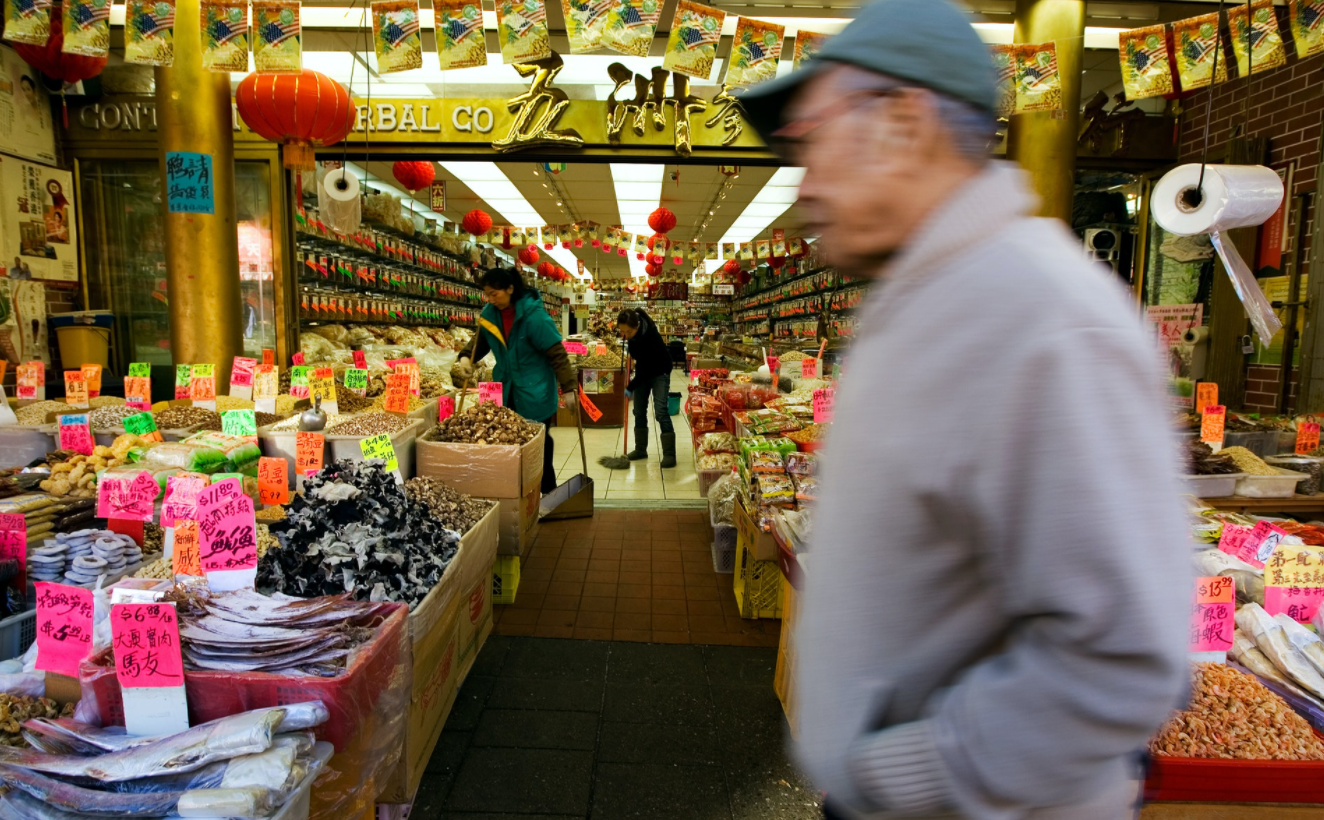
x,y
579,422
625,422
459,408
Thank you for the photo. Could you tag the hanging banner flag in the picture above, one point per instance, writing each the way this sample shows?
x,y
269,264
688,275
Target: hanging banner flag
x,y
1004,61
1038,82
586,22
692,45
28,21
807,44
225,35
278,39
396,35
631,26
1306,19
522,30
728,250
1146,70
710,251
86,28
755,51
1256,41
149,32
1195,41
460,41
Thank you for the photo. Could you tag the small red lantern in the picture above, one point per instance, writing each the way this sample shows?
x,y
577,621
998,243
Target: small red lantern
x,y
51,60
777,262
653,270
662,220
476,222
744,277
529,255
300,111
731,267
415,176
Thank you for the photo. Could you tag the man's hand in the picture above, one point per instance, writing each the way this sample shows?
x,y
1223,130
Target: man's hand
x,y
568,401
462,371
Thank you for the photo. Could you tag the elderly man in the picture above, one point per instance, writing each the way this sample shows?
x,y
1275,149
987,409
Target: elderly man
x,y
996,607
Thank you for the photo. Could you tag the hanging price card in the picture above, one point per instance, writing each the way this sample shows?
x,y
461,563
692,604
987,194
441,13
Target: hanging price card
x,y
299,381
64,627
181,499
241,377
185,560
1212,614
75,434
360,360
268,356
1307,437
308,451
273,481
227,534
380,447
129,499
809,368
589,407
445,407
146,645
75,388
14,538
1211,425
356,379
1294,581
239,423
490,391
138,392
1206,395
824,398
92,375
183,377
31,379
297,358
577,348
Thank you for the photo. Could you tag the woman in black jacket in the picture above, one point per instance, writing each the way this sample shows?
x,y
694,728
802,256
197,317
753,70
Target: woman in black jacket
x,y
652,374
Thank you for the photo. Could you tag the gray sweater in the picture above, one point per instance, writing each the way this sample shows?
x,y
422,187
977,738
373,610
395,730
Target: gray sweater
x,y
996,605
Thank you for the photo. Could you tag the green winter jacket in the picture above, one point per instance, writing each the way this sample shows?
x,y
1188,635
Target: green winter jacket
x,y
528,380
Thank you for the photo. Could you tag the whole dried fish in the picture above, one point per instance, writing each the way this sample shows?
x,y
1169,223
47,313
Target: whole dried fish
x,y
1272,640
19,805
89,801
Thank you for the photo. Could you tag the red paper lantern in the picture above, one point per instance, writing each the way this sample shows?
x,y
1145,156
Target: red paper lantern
x,y
731,266
653,270
662,220
529,255
415,176
744,277
546,269
476,222
777,262
300,111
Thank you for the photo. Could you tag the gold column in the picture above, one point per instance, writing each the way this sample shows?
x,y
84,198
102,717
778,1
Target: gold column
x,y
202,250
1044,143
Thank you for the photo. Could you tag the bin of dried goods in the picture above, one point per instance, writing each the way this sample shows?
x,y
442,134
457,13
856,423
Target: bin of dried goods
x,y
343,440
1209,474
487,451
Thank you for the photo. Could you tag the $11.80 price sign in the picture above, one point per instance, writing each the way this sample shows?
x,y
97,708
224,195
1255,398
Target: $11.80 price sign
x,y
146,642
227,533
64,627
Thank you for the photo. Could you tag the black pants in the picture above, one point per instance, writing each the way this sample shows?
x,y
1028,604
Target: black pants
x,y
548,461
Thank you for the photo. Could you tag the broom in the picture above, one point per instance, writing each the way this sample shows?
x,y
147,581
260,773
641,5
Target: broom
x,y
621,462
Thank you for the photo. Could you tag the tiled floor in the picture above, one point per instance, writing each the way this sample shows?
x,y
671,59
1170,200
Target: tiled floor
x,y
644,479
630,575
547,729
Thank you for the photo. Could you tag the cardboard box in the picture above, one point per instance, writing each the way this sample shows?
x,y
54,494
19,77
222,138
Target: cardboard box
x,y
435,636
759,543
518,523
483,470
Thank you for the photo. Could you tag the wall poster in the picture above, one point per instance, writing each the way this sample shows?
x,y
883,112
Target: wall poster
x,y
37,228
26,129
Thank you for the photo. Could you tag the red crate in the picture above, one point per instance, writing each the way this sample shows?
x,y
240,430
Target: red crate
x,y
1203,780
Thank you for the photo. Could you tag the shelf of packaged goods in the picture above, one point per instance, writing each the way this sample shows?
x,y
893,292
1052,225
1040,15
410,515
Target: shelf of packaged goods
x,y
407,259
381,293
406,321
770,294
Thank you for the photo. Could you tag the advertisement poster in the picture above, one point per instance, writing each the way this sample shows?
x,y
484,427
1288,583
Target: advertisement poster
x,y
225,35
460,40
23,322
631,26
149,32
86,28
395,34
26,129
692,44
1260,33
37,231
1170,323
278,38
1146,71
586,22
755,51
522,30
807,44
1195,41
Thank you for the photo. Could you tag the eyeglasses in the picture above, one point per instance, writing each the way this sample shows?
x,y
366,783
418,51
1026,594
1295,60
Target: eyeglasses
x,y
797,132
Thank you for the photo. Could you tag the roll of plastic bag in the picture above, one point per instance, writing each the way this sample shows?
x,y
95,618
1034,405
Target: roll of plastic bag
x,y
341,207
1231,196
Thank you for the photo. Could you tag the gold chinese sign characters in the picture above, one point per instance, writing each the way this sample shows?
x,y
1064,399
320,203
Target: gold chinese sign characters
x,y
537,110
278,38
460,41
729,113
649,103
149,32
692,44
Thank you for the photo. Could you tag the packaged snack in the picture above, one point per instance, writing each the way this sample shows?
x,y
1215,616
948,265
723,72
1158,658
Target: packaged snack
x,y
806,487
718,443
774,489
238,450
722,499
717,461
194,458
798,463
766,461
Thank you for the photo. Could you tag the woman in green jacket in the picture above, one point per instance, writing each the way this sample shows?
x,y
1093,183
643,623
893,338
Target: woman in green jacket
x,y
531,362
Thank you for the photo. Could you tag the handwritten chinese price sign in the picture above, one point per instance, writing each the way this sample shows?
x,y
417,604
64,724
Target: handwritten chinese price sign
x,y
1212,614
1307,437
1206,395
809,368
1294,581
490,391
309,449
824,398
227,530
273,481
184,559
75,388
380,447
128,499
445,407
14,538
146,645
76,434
589,407
189,183
576,348
181,499
183,377
1211,425
64,627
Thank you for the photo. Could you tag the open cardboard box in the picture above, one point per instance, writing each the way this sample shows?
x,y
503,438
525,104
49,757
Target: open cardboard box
x,y
484,470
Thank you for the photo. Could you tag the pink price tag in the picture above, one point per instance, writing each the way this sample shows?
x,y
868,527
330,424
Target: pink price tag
x,y
76,434
64,627
1212,614
227,529
297,358
445,407
809,368
132,499
490,391
774,365
146,643
824,398
14,538
1230,539
1298,603
181,499
360,360
1259,544
241,374
577,348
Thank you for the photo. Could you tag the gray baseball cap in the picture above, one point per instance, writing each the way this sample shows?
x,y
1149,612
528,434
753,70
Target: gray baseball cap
x,y
927,43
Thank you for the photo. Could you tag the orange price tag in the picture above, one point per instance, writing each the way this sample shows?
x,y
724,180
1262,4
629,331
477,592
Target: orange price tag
x,y
75,388
273,481
308,448
92,375
1307,437
4,365
397,400
1211,424
589,407
186,558
202,388
1206,395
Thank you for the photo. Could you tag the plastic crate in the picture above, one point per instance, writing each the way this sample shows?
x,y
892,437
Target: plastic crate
x,y
505,579
757,584
17,632
708,477
724,549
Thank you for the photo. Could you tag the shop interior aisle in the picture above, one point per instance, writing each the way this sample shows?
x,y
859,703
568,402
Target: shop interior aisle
x,y
547,729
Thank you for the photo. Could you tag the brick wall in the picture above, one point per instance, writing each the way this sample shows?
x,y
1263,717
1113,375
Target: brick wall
x,y
1262,388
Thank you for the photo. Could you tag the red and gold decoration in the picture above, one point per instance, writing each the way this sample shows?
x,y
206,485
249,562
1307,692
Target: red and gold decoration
x,y
476,222
529,255
662,220
300,111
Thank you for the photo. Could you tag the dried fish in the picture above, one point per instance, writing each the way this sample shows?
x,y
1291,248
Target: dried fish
x,y
1272,640
88,801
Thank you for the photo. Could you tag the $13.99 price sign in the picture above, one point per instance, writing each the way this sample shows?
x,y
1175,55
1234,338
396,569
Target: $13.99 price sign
x,y
64,627
146,643
1212,614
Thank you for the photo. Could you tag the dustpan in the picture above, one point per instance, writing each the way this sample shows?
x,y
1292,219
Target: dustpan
x,y
574,498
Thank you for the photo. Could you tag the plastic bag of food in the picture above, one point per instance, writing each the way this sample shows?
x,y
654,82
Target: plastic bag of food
x,y
799,463
193,458
238,450
774,489
766,461
806,487
130,471
336,334
717,461
722,497
718,443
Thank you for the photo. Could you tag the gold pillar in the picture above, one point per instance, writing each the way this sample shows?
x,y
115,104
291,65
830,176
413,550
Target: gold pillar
x,y
202,250
1044,143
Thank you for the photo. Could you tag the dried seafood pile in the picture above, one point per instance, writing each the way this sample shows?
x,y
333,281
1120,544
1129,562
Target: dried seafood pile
x,y
455,510
15,709
1202,460
353,530
1231,715
484,423
247,632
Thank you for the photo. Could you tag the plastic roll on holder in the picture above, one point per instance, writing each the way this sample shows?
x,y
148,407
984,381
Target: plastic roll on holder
x,y
340,202
1231,196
